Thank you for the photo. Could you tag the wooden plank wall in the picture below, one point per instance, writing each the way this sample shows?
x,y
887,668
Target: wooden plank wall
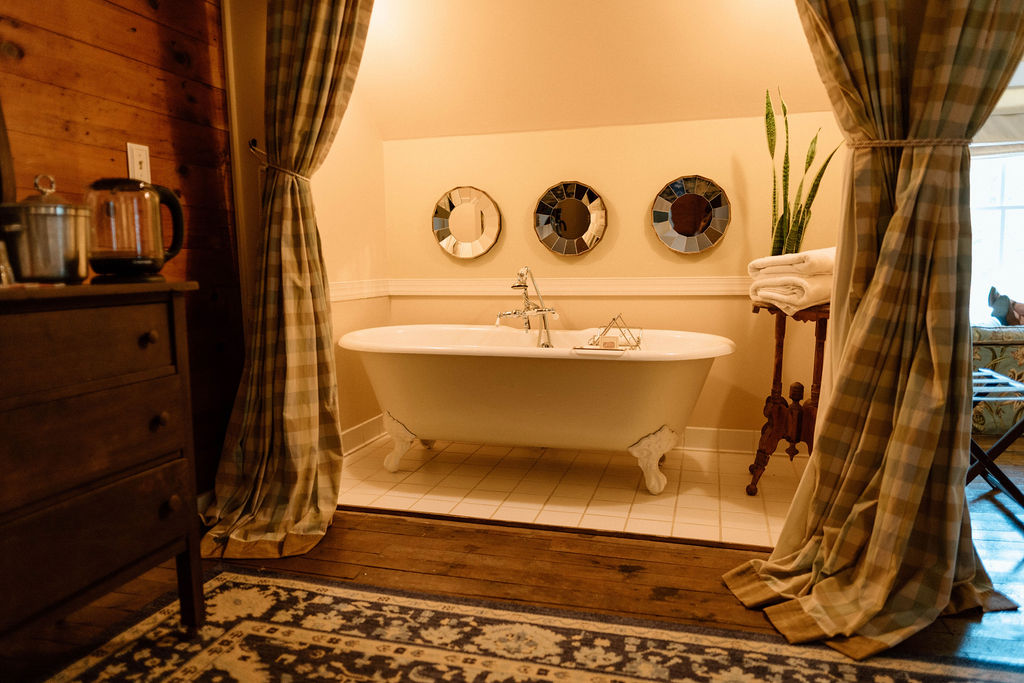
x,y
78,80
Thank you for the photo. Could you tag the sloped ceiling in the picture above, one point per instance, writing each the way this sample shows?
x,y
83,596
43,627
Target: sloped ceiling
x,y
463,67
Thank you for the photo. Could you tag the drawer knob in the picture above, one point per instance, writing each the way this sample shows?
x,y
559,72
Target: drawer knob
x,y
149,338
161,420
171,505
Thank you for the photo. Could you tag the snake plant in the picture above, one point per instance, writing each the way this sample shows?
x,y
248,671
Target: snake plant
x,y
788,228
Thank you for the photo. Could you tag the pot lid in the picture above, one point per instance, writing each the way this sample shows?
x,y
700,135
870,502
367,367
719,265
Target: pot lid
x,y
47,196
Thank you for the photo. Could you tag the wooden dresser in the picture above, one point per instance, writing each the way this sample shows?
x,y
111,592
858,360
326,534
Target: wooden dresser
x,y
97,479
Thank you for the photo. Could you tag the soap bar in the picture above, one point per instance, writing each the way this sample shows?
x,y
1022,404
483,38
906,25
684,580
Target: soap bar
x,y
608,342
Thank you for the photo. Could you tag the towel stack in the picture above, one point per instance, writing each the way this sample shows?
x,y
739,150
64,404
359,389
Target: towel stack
x,y
793,281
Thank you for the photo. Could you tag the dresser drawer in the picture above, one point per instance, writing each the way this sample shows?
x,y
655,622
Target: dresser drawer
x,y
57,348
54,554
51,447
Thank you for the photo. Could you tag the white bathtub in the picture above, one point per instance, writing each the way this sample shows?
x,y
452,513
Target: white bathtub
x,y
494,385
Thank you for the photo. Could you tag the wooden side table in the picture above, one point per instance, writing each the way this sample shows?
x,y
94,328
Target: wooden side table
x,y
789,420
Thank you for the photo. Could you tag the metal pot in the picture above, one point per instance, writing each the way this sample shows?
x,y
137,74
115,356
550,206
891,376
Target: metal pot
x,y
46,237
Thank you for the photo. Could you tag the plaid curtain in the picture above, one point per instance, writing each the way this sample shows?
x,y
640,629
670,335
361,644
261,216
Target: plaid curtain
x,y
877,543
280,470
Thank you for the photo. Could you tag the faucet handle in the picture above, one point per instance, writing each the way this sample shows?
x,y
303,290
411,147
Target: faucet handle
x,y
520,282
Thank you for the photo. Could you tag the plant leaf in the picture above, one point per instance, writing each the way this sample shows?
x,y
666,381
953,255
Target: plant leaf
x,y
811,193
769,124
785,162
796,234
779,235
798,210
795,237
811,149
775,199
796,197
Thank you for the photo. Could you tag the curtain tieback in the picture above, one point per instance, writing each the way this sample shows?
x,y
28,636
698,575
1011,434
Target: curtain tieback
x,y
910,142
264,161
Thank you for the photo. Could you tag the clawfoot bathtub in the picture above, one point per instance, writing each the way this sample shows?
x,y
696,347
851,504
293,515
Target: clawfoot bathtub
x,y
494,385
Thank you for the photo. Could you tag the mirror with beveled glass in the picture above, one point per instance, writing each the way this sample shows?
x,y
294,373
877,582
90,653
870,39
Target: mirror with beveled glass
x,y
690,214
570,218
466,222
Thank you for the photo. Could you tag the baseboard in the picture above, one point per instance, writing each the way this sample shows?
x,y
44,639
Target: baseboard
x,y
694,438
722,440
354,438
729,441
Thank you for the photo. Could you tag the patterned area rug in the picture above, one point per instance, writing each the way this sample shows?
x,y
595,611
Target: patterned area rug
x,y
270,628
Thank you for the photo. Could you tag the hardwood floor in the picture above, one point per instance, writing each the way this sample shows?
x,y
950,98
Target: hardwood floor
x,y
630,577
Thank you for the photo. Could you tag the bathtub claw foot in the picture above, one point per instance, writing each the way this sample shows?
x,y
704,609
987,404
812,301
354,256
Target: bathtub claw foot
x,y
649,452
402,438
427,443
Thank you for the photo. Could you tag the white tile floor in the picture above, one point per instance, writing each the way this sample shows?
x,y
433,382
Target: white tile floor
x,y
704,499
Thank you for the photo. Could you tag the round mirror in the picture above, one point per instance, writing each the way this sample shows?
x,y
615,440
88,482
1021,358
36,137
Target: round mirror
x,y
466,222
570,218
690,214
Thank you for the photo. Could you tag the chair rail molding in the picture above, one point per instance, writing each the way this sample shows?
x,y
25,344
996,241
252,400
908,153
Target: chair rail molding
x,y
351,290
726,285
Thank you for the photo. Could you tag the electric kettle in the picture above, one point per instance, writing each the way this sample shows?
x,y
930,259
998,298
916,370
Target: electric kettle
x,y
126,240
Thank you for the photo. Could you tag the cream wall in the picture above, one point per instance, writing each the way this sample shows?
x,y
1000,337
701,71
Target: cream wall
x,y
637,118
464,67
348,191
628,165
356,402
245,26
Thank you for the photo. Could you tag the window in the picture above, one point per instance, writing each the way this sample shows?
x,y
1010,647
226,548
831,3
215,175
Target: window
x,y
997,219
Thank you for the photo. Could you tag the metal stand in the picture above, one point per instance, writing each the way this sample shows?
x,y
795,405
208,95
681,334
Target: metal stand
x,y
989,385
789,420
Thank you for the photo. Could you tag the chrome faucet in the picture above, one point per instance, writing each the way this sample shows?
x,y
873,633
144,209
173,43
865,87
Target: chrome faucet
x,y
530,308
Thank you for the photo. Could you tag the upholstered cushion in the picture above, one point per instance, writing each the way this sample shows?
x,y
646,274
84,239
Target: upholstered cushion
x,y
1000,348
998,334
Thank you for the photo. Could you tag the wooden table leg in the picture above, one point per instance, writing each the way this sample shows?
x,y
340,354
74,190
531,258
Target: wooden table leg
x,y
189,568
776,412
789,420
809,412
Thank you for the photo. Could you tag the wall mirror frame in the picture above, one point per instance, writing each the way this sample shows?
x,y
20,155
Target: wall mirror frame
x,y
691,214
477,216
570,218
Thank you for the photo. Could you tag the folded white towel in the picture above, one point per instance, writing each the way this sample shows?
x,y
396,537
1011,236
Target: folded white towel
x,y
812,262
792,293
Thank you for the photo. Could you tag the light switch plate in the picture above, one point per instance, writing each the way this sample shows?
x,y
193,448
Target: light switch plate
x,y
138,162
